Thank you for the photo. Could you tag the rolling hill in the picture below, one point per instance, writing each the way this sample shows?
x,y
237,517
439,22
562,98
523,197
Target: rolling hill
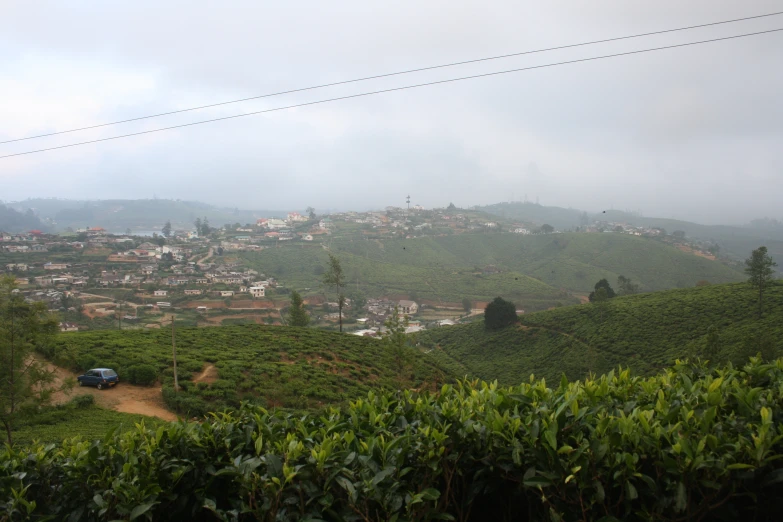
x,y
537,272
275,366
645,332
119,214
14,221
735,241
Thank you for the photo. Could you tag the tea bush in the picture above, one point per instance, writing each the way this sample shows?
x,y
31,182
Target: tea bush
x,y
692,443
645,332
143,374
280,364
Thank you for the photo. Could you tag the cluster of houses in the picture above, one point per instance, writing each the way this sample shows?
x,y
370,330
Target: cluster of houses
x,y
37,241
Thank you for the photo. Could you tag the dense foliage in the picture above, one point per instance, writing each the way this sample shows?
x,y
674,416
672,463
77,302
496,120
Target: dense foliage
x,y
499,314
297,315
276,366
645,332
760,269
144,374
25,383
688,444
608,292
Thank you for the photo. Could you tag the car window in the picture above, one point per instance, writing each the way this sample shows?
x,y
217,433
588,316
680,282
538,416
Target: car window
x,y
90,374
109,373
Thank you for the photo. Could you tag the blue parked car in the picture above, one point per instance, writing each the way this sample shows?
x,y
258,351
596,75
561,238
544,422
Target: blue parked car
x,y
99,377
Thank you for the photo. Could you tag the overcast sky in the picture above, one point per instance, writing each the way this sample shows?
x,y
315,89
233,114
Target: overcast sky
x,y
693,133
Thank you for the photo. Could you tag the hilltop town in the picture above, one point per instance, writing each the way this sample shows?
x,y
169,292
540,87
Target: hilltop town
x,y
204,275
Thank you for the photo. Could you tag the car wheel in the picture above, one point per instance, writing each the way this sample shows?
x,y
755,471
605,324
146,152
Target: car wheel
x,y
99,386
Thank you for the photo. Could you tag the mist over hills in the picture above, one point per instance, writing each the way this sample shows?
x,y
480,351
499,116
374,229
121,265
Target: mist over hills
x,y
734,240
119,214
53,214
12,220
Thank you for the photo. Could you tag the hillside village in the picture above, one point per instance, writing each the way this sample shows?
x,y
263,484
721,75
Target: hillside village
x,y
98,279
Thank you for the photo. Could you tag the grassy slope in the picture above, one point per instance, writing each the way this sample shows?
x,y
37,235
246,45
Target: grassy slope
x,y
645,332
535,268
734,240
290,367
373,275
508,356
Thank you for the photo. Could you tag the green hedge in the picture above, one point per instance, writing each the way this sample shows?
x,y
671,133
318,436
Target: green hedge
x,y
689,444
143,374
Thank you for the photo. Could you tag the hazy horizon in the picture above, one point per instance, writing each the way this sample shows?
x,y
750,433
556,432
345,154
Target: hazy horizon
x,y
692,133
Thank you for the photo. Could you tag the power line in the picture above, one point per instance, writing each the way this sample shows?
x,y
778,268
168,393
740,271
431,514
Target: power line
x,y
371,93
386,75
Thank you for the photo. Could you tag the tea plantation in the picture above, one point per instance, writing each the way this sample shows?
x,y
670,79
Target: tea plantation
x,y
645,332
274,366
535,271
691,443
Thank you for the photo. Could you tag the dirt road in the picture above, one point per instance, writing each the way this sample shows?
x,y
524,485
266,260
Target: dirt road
x,y
203,260
124,397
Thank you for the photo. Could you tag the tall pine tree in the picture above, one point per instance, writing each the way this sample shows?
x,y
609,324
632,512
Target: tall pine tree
x,y
297,315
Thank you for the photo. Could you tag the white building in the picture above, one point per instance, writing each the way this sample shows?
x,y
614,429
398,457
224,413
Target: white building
x,y
161,293
408,307
274,224
295,217
257,291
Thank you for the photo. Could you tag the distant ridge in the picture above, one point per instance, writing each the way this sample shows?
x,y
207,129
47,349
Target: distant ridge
x,y
736,241
136,213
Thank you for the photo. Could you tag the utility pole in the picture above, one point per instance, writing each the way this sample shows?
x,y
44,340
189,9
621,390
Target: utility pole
x,y
174,352
408,201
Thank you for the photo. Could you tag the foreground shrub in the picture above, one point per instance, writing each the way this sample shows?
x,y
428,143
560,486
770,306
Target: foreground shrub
x,y
83,401
689,444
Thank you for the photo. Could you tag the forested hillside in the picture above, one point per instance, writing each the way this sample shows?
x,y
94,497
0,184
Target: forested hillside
x,y
645,332
12,220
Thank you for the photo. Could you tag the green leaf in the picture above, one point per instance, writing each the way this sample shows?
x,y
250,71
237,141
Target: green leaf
x,y
140,510
740,465
631,490
378,478
681,499
537,482
274,465
430,494
347,485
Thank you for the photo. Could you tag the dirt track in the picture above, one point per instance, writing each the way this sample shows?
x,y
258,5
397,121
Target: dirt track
x,y
124,397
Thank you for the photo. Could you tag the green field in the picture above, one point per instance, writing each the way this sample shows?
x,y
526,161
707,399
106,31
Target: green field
x,y
275,366
57,423
536,272
644,332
